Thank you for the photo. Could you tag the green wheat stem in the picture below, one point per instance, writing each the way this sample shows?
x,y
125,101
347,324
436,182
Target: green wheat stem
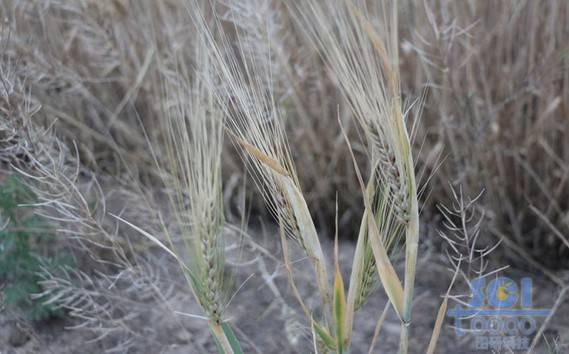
x,y
225,338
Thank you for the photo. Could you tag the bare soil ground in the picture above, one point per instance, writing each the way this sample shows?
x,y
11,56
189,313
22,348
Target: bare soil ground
x,y
266,325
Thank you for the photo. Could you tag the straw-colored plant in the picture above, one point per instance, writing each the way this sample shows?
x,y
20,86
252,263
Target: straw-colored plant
x,y
364,58
193,128
365,62
254,122
87,71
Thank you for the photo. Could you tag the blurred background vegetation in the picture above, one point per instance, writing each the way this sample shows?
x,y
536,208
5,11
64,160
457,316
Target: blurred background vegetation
x,y
486,82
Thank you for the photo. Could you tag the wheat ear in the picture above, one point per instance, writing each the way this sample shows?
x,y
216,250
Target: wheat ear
x,y
255,124
363,56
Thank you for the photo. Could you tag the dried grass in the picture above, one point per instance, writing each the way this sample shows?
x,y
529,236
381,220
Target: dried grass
x,y
288,78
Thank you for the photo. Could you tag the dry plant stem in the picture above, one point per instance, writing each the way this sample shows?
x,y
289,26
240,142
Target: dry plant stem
x,y
402,138
411,246
412,226
438,324
378,326
441,314
538,335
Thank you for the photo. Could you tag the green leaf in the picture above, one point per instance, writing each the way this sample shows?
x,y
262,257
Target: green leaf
x,y
23,254
223,333
326,338
339,309
231,338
